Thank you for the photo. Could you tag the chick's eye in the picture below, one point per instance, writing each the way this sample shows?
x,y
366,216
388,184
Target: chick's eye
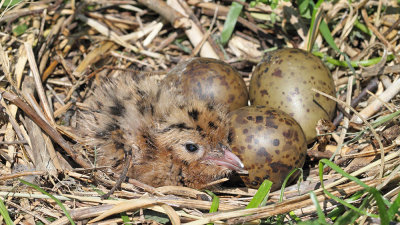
x,y
191,147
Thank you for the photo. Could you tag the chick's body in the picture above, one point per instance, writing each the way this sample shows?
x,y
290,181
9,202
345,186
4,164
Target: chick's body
x,y
174,140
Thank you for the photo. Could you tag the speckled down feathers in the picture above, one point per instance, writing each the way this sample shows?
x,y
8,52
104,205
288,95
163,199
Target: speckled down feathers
x,y
156,124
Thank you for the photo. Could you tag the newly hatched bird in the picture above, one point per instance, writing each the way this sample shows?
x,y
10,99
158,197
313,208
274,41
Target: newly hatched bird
x,y
174,140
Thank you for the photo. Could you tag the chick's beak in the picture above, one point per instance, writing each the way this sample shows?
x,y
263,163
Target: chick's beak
x,y
228,160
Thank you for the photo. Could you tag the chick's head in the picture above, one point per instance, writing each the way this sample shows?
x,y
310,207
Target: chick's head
x,y
196,133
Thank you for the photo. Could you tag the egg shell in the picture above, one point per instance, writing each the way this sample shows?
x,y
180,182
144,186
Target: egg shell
x,y
269,142
284,79
210,78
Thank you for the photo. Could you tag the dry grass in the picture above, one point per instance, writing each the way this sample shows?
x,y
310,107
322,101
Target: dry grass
x,y
52,52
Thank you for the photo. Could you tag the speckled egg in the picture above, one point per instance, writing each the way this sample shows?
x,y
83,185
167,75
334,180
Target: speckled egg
x,y
284,79
210,78
269,142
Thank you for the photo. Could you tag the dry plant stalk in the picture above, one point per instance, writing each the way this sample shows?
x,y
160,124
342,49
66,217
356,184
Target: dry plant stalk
x,y
374,106
194,34
45,126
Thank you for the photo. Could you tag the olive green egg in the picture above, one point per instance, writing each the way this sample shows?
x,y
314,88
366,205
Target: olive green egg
x,y
269,142
284,80
209,78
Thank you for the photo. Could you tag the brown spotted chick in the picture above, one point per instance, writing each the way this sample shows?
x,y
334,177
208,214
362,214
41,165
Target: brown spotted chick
x,y
174,140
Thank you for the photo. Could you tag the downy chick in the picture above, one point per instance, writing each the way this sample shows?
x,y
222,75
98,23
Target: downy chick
x,y
174,140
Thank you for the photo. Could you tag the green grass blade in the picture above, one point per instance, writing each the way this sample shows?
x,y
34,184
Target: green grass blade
x,y
261,195
214,204
383,215
230,22
20,29
178,42
59,203
373,191
304,8
350,216
348,205
125,218
159,218
313,27
362,27
4,213
347,218
354,64
394,208
383,119
312,222
287,179
294,217
335,213
340,171
10,3
326,34
321,215
323,28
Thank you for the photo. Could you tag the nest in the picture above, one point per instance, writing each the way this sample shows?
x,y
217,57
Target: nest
x,y
53,52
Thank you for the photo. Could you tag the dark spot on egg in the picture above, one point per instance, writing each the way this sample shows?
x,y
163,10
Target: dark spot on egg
x,y
277,73
231,98
264,92
249,138
271,123
275,142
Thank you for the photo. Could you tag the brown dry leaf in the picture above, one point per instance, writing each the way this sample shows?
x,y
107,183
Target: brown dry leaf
x,y
391,133
243,48
181,191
